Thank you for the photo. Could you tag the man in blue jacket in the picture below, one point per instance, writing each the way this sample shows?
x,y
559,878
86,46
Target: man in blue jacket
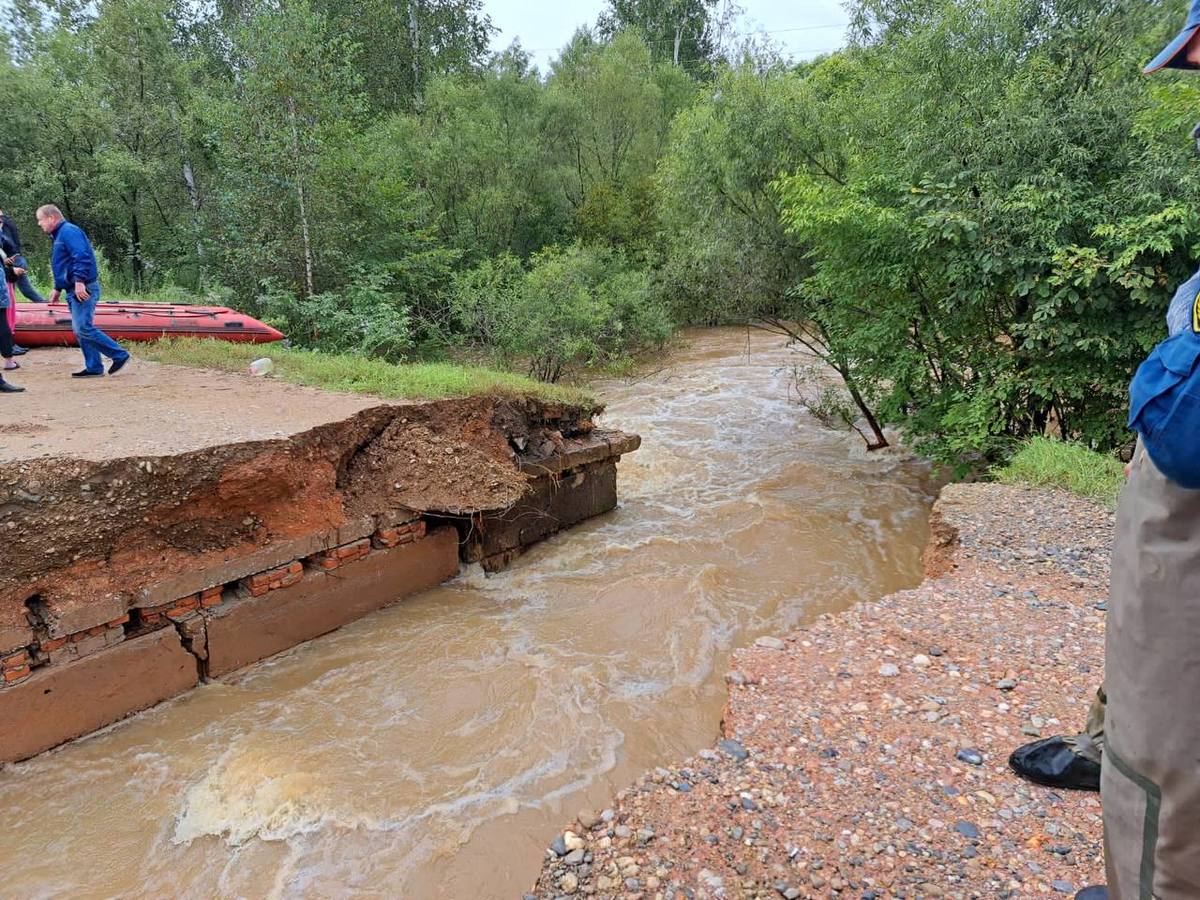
x,y
74,265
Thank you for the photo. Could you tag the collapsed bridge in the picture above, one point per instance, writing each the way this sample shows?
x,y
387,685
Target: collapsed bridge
x,y
130,577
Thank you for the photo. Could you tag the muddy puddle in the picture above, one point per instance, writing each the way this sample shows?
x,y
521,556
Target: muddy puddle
x,y
432,749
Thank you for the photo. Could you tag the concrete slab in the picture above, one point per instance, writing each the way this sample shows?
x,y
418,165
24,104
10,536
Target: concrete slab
x,y
248,630
553,503
59,703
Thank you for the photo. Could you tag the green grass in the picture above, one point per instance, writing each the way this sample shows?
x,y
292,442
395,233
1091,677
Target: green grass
x,y
1044,462
359,375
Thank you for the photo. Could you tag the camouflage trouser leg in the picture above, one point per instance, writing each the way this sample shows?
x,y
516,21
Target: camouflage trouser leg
x,y
1150,781
1090,744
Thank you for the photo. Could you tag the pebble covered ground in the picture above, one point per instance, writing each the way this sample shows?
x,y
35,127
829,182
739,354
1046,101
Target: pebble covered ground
x,y
866,756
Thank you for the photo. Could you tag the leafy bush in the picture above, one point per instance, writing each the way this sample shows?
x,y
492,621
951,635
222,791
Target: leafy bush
x,y
482,300
574,306
362,318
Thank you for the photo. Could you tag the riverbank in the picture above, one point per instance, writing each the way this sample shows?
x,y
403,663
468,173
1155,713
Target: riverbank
x,y
865,755
173,525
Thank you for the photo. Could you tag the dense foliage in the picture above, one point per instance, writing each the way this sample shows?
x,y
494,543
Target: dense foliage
x,y
976,213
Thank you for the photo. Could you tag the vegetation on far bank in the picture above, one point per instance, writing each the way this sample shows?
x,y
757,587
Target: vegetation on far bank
x,y
359,374
1073,467
976,212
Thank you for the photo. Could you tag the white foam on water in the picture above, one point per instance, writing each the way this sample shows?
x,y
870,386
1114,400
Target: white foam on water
x,y
253,793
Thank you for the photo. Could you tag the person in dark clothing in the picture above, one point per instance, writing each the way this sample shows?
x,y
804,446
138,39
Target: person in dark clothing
x,y
6,334
6,345
7,307
8,229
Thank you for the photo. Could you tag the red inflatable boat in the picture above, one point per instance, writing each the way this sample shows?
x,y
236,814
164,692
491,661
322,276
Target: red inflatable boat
x,y
49,324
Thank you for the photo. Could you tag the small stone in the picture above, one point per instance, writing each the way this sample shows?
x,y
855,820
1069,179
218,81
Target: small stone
x,y
889,670
921,661
936,651
770,643
735,677
569,883
749,804
572,841
574,858
969,756
1005,684
587,819
1063,887
733,748
967,830
559,846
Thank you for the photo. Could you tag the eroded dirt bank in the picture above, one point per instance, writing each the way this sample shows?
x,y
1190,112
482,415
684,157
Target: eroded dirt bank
x,y
129,577
839,772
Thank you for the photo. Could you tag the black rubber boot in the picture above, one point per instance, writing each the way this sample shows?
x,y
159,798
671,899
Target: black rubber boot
x,y
1052,763
1093,893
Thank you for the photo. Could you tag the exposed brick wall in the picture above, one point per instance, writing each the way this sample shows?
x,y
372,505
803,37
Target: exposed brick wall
x,y
335,557
16,666
386,538
274,579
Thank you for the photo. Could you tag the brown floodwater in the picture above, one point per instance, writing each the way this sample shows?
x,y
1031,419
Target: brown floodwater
x,y
432,749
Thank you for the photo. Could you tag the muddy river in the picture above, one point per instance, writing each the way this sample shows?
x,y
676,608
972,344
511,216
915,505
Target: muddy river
x,y
432,749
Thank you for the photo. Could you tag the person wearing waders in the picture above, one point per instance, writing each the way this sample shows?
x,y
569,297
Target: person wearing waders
x,y
1150,780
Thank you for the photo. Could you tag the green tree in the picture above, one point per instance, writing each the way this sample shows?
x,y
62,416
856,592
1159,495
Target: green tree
x,y
728,256
403,45
480,155
295,99
610,109
994,240
680,32
142,84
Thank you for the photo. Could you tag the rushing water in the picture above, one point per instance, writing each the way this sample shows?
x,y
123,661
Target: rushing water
x,y
431,749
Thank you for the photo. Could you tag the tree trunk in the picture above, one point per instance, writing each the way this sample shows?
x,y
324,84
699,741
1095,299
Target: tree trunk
x,y
304,229
678,42
414,36
135,236
880,442
193,192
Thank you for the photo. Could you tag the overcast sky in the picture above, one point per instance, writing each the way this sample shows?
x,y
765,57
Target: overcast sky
x,y
803,28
